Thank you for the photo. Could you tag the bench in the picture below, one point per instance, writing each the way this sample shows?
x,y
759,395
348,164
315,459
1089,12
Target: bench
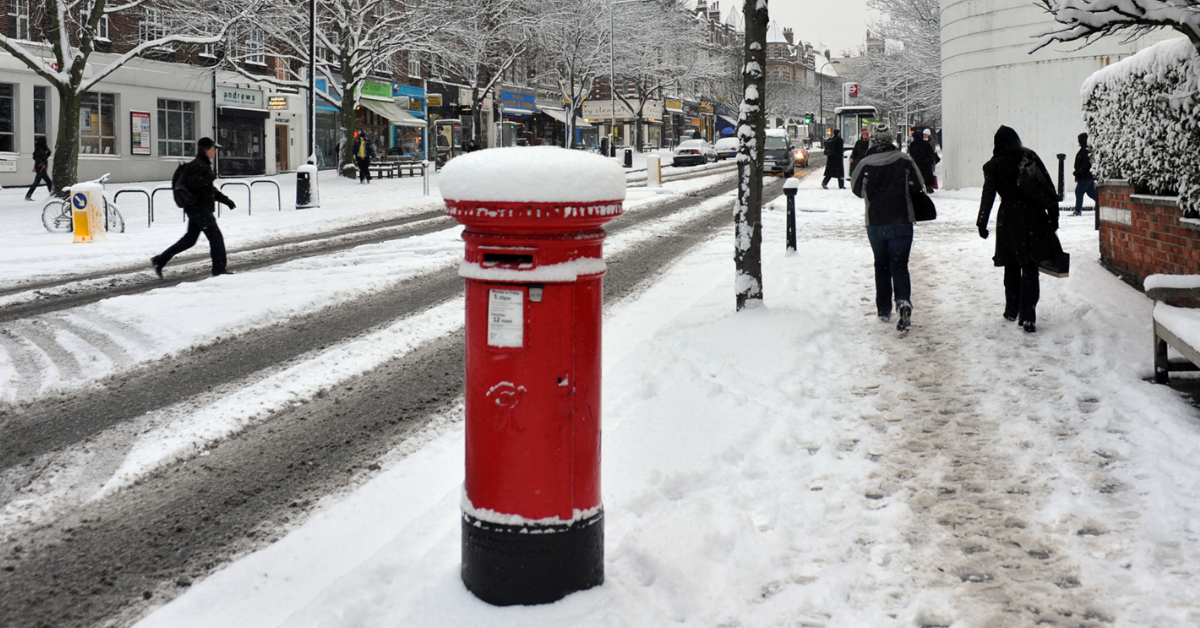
x,y
395,169
1174,327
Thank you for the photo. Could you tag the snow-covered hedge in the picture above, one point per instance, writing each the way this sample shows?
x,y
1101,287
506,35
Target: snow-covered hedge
x,y
1143,121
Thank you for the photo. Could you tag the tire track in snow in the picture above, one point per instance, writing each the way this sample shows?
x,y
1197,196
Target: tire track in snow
x,y
976,488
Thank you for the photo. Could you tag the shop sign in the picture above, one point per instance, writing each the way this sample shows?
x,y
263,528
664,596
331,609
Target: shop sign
x,y
434,100
518,101
706,107
238,97
673,105
376,90
139,132
8,165
277,102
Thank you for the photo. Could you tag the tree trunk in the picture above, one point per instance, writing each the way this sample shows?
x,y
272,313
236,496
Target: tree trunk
x,y
747,254
477,116
66,144
349,123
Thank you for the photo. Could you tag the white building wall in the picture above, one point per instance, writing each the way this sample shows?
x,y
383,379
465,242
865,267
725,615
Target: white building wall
x,y
989,79
138,86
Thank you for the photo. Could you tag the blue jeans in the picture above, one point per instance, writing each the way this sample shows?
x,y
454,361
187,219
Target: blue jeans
x,y
1087,186
891,245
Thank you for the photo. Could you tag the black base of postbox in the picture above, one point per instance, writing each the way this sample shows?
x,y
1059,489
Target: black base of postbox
x,y
507,565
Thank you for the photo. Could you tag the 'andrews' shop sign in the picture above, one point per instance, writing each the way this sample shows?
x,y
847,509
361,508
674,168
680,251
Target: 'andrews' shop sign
x,y
518,103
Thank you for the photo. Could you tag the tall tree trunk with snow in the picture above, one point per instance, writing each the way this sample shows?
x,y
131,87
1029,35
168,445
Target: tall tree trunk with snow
x,y
747,213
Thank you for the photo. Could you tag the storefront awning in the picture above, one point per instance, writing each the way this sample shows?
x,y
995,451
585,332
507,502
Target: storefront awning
x,y
243,112
561,116
392,112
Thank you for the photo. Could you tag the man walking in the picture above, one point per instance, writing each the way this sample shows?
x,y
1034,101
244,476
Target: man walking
x,y
886,178
922,152
196,182
364,152
1085,181
833,161
41,166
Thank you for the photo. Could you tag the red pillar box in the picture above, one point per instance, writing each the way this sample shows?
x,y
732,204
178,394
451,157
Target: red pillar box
x,y
532,521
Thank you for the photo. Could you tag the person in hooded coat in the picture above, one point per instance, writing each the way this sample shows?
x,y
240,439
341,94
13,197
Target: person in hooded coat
x,y
922,152
833,160
1024,229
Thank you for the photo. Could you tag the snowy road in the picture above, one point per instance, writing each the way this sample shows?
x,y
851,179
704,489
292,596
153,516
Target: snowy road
x,y
264,408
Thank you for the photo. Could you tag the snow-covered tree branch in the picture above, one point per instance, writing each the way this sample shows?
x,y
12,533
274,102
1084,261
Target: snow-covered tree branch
x,y
1089,20
908,76
572,44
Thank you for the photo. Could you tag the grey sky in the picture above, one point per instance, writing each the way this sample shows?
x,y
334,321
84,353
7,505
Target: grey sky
x,y
835,24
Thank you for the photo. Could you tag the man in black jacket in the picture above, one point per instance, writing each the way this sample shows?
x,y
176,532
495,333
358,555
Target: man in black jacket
x,y
926,157
1085,181
887,178
197,179
833,161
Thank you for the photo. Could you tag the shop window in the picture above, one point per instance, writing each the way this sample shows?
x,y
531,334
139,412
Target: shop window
x,y
176,128
18,19
41,110
8,142
153,25
98,124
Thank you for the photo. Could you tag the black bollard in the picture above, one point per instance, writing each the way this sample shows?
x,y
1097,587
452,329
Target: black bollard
x,y
1062,183
789,190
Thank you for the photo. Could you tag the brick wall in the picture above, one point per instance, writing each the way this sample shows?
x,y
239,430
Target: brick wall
x,y
1141,235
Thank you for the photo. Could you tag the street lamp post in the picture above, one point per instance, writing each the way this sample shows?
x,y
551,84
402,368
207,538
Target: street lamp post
x,y
821,94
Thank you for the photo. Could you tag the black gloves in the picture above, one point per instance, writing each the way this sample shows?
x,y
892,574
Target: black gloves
x,y
983,232
232,205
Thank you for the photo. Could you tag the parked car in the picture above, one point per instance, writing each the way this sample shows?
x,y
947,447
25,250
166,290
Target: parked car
x,y
800,150
693,153
778,157
726,147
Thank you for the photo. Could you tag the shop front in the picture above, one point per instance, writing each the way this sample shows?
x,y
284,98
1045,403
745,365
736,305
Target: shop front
x,y
241,131
515,115
707,121
407,140
672,127
329,129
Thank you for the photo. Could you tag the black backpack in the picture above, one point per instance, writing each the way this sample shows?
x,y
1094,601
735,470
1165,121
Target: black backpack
x,y
184,197
1034,181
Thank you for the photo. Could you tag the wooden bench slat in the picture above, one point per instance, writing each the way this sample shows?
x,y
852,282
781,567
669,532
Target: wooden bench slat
x,y
1162,294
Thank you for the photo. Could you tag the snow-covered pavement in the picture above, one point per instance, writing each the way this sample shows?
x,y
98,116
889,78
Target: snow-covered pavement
x,y
805,465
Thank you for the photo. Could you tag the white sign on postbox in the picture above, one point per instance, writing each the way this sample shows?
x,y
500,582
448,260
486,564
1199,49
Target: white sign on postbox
x,y
506,318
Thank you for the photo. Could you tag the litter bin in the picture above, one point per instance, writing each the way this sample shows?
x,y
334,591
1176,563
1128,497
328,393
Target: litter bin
x,y
532,520
307,195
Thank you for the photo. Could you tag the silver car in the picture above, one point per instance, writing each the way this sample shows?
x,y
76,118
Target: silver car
x,y
693,153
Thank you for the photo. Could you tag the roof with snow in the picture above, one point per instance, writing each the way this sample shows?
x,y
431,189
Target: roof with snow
x,y
774,34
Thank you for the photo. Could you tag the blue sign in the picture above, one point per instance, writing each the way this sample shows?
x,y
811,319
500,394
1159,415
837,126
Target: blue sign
x,y
516,101
79,200
400,89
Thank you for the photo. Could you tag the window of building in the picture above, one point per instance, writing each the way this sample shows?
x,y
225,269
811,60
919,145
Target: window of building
x,y
18,19
414,64
255,47
153,25
8,141
176,128
98,124
41,110
101,24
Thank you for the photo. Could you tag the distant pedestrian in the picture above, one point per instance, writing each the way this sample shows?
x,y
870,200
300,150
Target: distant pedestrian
x,y
1085,181
1025,226
364,152
196,180
833,161
695,135
860,150
41,167
887,179
922,152
472,146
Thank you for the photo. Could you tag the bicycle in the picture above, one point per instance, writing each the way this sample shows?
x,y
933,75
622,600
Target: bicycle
x,y
57,215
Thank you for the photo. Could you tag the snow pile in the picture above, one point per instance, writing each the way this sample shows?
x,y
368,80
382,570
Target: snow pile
x,y
1143,119
537,174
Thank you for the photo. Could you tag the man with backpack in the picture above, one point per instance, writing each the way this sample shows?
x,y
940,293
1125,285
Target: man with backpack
x,y
195,193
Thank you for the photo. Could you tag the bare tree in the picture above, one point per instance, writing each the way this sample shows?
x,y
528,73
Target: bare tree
x,y
790,99
356,40
1089,20
70,29
908,76
483,41
751,132
659,46
572,44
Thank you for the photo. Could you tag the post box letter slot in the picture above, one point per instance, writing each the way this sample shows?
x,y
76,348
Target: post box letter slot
x,y
508,260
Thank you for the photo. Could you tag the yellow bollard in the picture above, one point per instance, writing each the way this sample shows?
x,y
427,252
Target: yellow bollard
x,y
85,211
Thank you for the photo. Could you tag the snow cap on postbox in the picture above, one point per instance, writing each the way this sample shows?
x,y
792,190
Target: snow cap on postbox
x,y
532,174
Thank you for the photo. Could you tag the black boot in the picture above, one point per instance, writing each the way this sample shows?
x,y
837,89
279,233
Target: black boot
x,y
156,262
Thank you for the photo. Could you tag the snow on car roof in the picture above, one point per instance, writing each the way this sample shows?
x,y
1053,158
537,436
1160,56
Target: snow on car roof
x,y
532,174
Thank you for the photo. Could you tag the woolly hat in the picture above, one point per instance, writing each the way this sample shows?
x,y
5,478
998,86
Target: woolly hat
x,y
927,132
881,135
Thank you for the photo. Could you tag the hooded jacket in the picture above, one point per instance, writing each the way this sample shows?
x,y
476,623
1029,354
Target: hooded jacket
x,y
1024,230
886,178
